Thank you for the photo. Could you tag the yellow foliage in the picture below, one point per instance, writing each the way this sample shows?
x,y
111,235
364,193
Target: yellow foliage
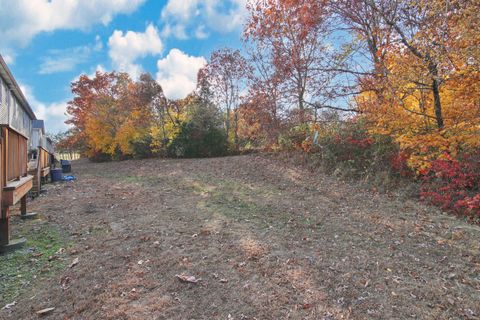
x,y
405,111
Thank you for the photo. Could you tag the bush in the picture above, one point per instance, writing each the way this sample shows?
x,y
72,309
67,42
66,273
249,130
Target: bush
x,y
99,157
201,136
350,151
142,147
453,184
294,138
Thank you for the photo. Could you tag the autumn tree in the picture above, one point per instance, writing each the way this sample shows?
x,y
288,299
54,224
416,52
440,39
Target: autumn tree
x,y
85,92
111,112
295,34
265,103
426,98
201,133
68,142
224,78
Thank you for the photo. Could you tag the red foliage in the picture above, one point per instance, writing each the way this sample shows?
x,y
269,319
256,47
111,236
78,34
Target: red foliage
x,y
399,164
362,143
453,184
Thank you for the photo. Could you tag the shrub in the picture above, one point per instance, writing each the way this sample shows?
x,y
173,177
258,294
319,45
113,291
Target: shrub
x,y
141,147
295,138
201,136
97,156
349,150
453,184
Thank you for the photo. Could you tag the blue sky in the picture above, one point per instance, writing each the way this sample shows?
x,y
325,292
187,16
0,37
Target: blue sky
x,y
49,43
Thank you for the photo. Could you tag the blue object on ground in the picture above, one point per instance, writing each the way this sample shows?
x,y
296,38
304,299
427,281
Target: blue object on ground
x,y
69,178
56,175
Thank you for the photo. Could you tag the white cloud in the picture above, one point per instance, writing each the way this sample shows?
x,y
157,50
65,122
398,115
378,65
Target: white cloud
x,y
52,113
177,73
225,16
98,68
125,49
8,59
178,31
181,9
219,15
200,32
21,20
90,74
64,60
98,43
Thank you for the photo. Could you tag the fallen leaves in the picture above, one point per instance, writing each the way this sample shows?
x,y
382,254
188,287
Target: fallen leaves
x,y
186,278
9,305
306,306
65,282
74,262
44,311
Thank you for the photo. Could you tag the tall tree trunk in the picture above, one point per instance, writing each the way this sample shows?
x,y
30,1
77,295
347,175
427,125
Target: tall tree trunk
x,y
235,138
227,122
301,105
437,104
436,95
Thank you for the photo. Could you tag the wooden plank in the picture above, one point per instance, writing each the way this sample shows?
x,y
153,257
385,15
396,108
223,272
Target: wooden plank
x,y
4,226
45,172
15,190
16,154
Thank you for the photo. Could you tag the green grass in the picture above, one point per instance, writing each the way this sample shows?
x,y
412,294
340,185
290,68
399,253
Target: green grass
x,y
241,202
38,259
257,204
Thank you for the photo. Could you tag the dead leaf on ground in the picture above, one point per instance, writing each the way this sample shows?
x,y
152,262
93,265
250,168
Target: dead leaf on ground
x,y
65,282
9,305
45,311
189,279
74,262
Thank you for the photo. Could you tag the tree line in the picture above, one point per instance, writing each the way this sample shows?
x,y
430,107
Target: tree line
x,y
370,85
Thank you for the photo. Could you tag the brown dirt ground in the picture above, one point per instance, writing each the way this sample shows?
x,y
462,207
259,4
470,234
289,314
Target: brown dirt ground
x,y
268,240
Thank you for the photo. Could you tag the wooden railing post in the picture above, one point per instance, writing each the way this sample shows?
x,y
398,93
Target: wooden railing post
x,y
4,226
23,206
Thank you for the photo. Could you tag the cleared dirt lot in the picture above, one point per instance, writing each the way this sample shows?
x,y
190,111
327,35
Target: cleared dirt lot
x,y
267,239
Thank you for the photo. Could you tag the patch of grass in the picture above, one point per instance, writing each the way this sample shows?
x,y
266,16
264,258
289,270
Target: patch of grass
x,y
241,202
145,181
38,259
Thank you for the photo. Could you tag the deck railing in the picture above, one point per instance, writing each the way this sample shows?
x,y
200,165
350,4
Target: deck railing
x,y
44,157
16,154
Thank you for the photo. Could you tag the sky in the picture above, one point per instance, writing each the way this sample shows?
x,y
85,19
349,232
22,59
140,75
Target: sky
x,y
47,44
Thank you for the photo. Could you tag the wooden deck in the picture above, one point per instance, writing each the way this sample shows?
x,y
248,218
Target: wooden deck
x,y
14,191
45,172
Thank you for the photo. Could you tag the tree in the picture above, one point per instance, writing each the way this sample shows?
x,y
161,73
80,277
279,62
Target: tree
x,y
224,78
85,91
110,112
294,32
201,134
426,98
264,103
